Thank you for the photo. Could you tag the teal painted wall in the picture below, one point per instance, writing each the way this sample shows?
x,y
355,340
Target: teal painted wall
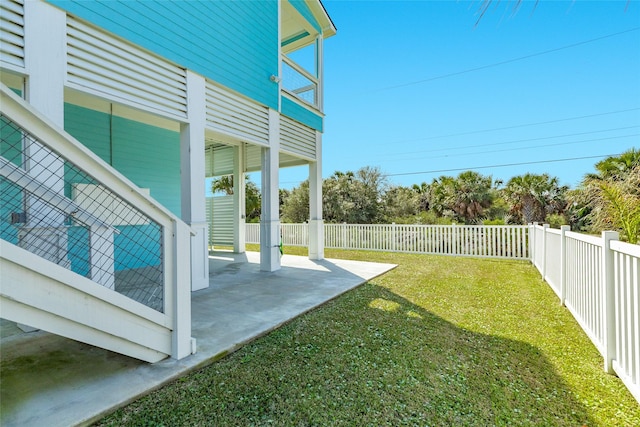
x,y
150,157
304,10
147,155
11,199
234,43
301,114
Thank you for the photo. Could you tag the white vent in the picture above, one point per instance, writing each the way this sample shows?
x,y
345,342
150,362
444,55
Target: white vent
x,y
220,218
12,33
297,139
218,160
233,115
111,68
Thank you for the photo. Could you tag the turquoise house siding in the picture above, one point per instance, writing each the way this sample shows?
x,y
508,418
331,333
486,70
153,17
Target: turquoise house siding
x,y
150,157
234,43
295,111
147,155
12,200
90,127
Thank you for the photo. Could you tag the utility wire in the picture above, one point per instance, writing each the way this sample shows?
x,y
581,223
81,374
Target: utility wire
x,y
508,61
512,142
472,132
530,147
501,166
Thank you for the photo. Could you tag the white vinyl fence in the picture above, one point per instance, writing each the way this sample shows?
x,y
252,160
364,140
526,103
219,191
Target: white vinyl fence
x,y
596,277
598,280
478,241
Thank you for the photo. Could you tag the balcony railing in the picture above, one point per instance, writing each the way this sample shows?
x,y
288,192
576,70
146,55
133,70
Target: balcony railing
x,y
299,82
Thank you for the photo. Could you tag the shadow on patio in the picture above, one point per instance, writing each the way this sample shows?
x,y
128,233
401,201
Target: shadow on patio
x,y
50,380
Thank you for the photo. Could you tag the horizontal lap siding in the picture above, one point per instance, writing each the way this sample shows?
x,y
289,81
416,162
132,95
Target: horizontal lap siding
x,y
150,157
232,43
147,155
12,33
303,115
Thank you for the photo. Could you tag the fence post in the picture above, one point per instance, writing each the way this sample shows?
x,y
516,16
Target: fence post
x,y
393,237
344,235
544,250
454,239
532,230
608,287
563,263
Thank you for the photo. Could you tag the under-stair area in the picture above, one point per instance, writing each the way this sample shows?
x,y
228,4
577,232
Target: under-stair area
x,y
84,253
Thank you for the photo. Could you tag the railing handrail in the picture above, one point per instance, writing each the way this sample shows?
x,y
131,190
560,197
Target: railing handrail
x,y
298,68
625,248
23,114
176,233
587,238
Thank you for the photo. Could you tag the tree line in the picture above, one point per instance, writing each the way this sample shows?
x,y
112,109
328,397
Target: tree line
x,y
606,199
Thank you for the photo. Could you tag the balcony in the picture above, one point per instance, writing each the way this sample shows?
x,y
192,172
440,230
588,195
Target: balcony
x,y
299,83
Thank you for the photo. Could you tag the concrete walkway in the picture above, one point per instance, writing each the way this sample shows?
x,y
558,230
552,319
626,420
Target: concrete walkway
x,y
48,380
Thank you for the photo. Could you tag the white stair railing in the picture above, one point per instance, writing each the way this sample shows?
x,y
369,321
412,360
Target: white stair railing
x,y
104,228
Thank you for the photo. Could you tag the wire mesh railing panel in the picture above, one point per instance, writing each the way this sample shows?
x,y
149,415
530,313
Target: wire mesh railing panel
x,y
55,210
298,83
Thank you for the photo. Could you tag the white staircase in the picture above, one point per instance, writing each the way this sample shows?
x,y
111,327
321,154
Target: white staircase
x,y
147,317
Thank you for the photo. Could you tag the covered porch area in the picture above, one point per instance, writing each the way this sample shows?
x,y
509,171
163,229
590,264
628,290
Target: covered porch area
x,y
48,379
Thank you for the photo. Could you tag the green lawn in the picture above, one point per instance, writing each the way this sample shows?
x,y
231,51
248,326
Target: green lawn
x,y
439,341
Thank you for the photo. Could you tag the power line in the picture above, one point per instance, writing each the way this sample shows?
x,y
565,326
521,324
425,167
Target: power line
x,y
517,148
514,141
508,61
472,132
502,165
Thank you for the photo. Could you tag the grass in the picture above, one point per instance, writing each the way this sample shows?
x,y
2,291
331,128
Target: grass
x,y
439,341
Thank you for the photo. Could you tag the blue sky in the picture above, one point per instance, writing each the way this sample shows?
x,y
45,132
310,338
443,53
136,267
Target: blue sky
x,y
417,86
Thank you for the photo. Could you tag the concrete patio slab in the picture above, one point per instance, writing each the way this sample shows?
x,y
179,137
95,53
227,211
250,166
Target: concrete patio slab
x,y
50,380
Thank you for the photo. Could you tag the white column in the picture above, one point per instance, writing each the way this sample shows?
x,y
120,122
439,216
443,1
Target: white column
x,y
316,222
239,195
192,178
320,71
270,216
45,56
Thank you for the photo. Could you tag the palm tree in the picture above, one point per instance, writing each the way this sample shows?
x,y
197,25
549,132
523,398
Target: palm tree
x,y
610,197
472,195
223,184
532,197
616,167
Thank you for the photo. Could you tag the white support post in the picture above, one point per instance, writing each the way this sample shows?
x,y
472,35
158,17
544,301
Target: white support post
x,y
239,195
270,216
608,289
320,71
563,263
316,221
544,251
45,56
192,179
182,345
